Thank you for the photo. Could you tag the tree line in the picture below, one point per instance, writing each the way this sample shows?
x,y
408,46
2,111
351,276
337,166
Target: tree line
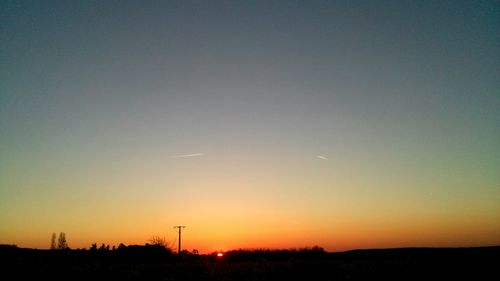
x,y
60,243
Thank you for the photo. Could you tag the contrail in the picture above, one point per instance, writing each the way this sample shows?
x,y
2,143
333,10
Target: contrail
x,y
322,157
187,155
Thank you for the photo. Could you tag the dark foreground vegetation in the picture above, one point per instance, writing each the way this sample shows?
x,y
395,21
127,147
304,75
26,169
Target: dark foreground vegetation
x,y
157,263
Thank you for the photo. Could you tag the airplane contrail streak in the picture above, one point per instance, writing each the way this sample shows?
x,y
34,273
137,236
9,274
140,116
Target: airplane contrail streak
x,y
187,155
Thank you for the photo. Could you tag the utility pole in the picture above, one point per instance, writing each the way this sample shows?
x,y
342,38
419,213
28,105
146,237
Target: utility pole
x,y
180,227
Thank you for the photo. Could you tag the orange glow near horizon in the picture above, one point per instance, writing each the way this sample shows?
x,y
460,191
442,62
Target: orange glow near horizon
x,y
226,227
224,216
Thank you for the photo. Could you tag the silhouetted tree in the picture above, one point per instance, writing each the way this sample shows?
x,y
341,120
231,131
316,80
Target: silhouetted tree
x,y
93,247
158,241
53,241
61,242
103,247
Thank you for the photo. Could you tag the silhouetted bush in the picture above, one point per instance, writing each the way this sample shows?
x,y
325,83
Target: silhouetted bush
x,y
269,254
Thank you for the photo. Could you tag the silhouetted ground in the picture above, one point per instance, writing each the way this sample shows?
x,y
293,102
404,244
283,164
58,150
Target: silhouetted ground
x,y
150,263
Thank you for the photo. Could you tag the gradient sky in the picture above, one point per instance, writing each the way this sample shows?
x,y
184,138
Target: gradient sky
x,y
344,124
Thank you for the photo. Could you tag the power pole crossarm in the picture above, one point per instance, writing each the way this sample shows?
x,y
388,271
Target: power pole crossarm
x,y
180,227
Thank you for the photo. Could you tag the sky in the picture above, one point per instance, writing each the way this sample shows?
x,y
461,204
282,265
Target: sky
x,y
257,124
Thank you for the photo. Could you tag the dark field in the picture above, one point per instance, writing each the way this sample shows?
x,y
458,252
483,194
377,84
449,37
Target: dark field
x,y
141,263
